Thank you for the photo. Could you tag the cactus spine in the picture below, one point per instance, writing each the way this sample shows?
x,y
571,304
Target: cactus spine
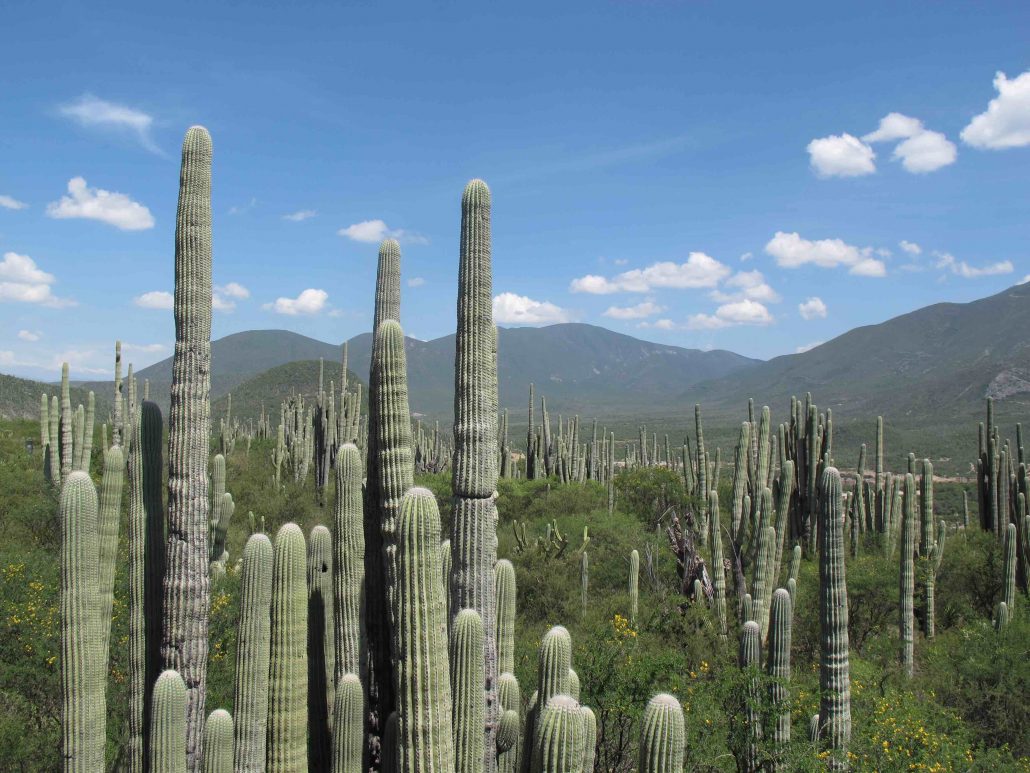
x,y
168,725
1009,587
505,594
778,665
906,624
749,660
934,559
663,736
349,565
252,655
288,668
321,647
474,477
559,743
218,733
634,585
834,677
510,698
349,726
184,643
423,682
468,680
109,519
718,569
83,677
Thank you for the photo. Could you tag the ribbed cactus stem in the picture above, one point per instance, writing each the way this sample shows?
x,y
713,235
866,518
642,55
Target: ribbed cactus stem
x,y
468,680
321,647
555,663
505,594
218,733
83,675
184,644
634,585
589,738
109,519
663,736
252,655
559,740
388,284
763,578
750,660
168,725
834,676
718,569
778,666
67,426
1001,618
509,695
1009,569
288,666
425,740
906,607
584,582
349,726
349,565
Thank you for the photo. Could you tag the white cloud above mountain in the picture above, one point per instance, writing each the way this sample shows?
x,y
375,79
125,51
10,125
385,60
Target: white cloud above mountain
x,y
94,113
1006,121
310,302
949,262
812,308
514,309
115,209
639,311
22,281
745,312
792,251
698,271
920,149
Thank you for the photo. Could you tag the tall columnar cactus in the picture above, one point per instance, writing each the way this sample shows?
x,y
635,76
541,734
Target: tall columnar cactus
x,y
933,568
423,680
86,452
321,647
168,725
505,594
555,664
474,479
510,698
184,644
388,284
109,519
663,736
288,659
445,570
468,680
349,726
252,655
718,569
218,732
589,738
763,577
926,538
559,740
750,660
834,677
1001,618
634,584
1009,578
349,565
67,426
906,607
778,666
584,582
83,676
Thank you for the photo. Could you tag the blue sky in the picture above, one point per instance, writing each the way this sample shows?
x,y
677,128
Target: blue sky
x,y
756,177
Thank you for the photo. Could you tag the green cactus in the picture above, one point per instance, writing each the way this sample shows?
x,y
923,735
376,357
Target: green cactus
x,y
1001,619
423,680
795,563
54,445
559,741
168,725
391,761
834,677
86,451
67,426
589,738
388,284
184,642
584,582
634,585
321,647
510,698
749,660
505,592
763,581
718,569
468,681
349,565
574,686
663,736
926,539
349,726
252,655
508,730
933,560
1009,570
218,735
83,676
445,570
109,519
555,664
288,669
778,667
906,623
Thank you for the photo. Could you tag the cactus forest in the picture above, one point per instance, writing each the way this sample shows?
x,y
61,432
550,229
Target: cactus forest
x,y
336,586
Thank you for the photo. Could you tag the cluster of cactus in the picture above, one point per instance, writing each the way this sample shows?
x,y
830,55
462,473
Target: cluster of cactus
x,y
66,435
565,455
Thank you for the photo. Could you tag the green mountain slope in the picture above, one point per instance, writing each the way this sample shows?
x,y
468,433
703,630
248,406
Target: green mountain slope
x,y
267,390
19,398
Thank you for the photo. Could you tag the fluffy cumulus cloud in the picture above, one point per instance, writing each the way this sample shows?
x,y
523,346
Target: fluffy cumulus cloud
x,y
841,156
745,312
639,311
792,251
22,281
949,262
95,113
1006,122
143,348
310,301
920,150
155,299
115,209
29,335
749,285
699,271
812,308
513,309
372,231
9,202
910,247
301,215
224,297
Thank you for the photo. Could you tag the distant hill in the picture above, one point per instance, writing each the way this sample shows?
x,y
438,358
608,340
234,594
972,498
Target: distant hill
x,y
267,390
19,398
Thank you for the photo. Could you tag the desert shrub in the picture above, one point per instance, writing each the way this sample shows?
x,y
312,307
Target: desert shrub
x,y
649,493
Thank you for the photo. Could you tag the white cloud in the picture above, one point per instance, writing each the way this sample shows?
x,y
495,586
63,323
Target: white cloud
x,y
29,335
155,299
144,348
747,284
960,268
812,308
791,251
95,113
746,312
699,270
303,214
746,257
416,281
910,247
9,202
640,311
662,324
1006,122
373,231
22,281
808,347
224,297
310,301
841,156
920,150
234,290
115,209
519,310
